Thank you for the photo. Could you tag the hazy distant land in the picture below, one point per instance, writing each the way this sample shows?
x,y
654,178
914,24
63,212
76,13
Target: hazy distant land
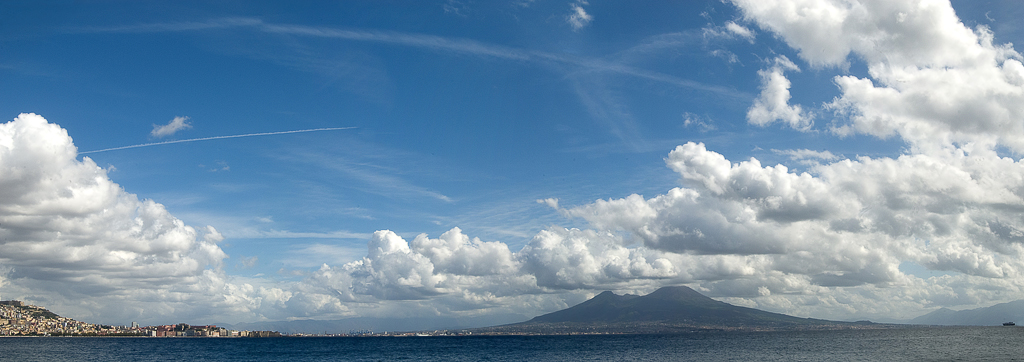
x,y
669,310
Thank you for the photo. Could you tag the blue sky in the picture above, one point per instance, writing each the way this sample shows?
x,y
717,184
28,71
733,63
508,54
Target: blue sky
x,y
468,115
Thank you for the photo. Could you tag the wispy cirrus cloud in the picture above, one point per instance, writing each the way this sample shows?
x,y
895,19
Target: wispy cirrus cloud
x,y
423,41
247,262
497,51
579,18
314,255
220,23
612,114
215,138
375,179
285,234
808,157
731,30
805,154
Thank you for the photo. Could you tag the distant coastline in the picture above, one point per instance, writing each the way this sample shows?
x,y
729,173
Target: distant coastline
x,y
18,319
670,310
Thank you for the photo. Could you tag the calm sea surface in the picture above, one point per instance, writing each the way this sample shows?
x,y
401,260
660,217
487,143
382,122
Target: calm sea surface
x,y
915,344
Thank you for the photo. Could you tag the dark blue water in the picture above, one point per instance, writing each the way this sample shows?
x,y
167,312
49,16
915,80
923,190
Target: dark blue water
x,y
931,344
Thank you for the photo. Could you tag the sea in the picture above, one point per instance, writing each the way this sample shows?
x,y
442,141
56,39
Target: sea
x,y
902,344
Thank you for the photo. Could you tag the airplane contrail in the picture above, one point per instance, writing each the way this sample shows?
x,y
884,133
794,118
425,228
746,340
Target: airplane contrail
x,y
216,138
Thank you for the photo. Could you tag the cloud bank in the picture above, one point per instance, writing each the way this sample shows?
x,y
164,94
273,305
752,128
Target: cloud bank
x,y
932,81
65,228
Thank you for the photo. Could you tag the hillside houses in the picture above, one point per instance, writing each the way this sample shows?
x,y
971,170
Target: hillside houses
x,y
20,319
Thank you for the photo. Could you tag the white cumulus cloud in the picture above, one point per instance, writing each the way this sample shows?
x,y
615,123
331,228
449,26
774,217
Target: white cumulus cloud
x,y
69,232
851,223
932,80
172,127
773,103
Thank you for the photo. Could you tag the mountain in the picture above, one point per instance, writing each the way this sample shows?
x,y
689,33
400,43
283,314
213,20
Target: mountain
x,y
988,316
666,310
338,326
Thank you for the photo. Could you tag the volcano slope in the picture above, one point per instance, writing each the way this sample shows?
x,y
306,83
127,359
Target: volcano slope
x,y
676,309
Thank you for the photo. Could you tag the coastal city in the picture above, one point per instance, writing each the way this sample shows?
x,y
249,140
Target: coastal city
x,y
20,319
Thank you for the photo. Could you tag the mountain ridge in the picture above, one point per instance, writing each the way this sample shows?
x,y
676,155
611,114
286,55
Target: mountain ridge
x,y
985,316
667,310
